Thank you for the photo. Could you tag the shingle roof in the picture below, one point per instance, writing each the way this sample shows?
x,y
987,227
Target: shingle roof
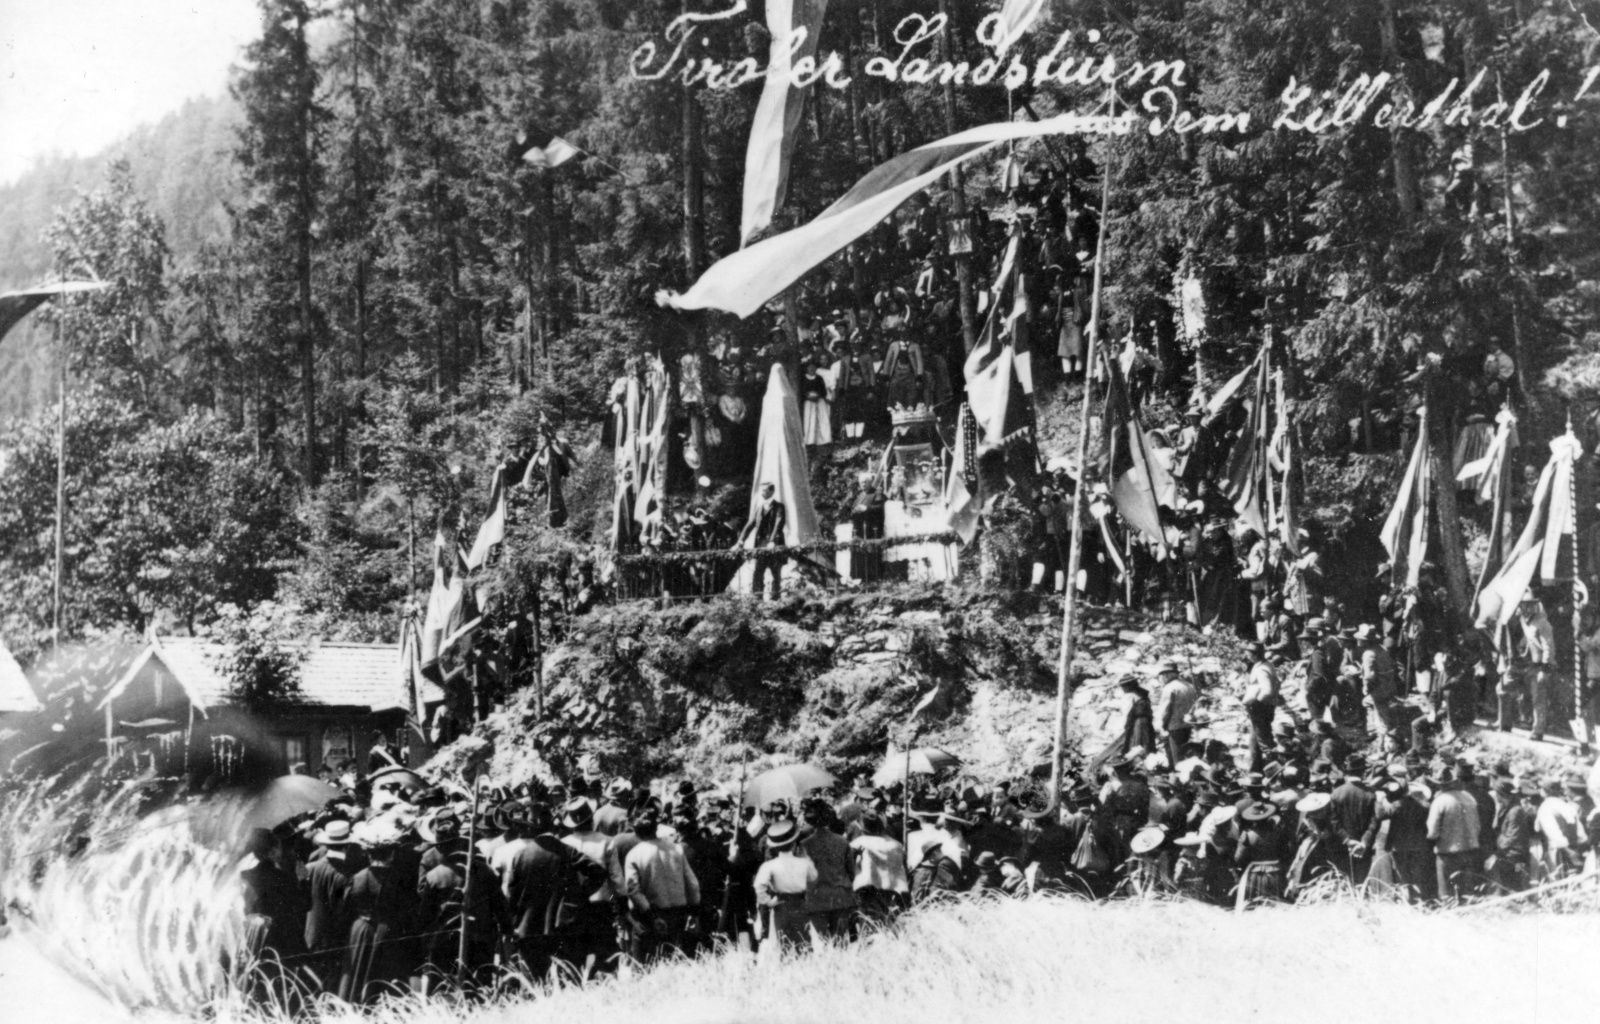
x,y
16,693
330,674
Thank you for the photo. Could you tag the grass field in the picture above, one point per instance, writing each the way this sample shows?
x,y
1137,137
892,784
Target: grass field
x,y
1064,960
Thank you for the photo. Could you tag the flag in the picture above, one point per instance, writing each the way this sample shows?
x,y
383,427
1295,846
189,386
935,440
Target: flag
x,y
438,610
1484,475
16,693
493,531
772,133
744,281
16,305
991,338
1407,522
1016,18
962,493
1128,465
650,451
463,615
1283,445
1551,529
998,389
539,148
1247,463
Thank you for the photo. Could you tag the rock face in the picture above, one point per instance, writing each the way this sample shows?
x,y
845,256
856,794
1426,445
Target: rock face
x,y
702,690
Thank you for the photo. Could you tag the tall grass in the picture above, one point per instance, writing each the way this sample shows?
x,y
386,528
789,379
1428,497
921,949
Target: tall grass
x,y
142,908
1061,959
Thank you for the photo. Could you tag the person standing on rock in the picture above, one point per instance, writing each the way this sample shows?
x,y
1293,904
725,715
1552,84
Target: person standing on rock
x,y
1323,656
1138,724
1380,682
1177,700
1261,703
767,529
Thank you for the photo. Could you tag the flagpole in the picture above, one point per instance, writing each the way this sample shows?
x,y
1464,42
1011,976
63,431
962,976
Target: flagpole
x,y
1069,603
61,486
1579,721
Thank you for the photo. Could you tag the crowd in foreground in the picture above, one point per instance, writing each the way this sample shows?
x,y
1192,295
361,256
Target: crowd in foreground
x,y
397,885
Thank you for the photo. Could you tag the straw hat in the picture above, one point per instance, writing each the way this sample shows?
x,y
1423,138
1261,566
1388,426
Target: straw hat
x,y
782,834
1148,839
335,833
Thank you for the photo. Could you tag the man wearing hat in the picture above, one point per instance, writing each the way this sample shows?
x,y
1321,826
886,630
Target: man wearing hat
x,y
1380,682
539,875
830,898
328,880
442,903
1353,810
592,932
1323,657
274,910
1514,833
881,883
1261,700
612,818
1453,827
1176,701
1561,827
662,890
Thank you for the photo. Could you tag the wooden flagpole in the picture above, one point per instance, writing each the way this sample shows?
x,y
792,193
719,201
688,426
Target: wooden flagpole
x,y
1069,602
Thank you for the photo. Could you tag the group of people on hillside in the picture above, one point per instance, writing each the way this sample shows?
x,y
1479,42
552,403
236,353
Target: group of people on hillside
x,y
396,884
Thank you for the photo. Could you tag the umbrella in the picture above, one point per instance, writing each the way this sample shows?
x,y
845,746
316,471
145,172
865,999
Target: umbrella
x,y
923,761
791,782
285,797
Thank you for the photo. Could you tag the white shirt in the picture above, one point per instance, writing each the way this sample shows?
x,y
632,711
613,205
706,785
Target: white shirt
x,y
593,845
1557,820
880,864
1178,698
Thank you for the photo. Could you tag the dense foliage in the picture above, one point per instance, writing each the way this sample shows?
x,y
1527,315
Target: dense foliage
x,y
291,403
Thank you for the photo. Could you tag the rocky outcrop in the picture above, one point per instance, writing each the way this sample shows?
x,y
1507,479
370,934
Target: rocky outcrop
x,y
705,689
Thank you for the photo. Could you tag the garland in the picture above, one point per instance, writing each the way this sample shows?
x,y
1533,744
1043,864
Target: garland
x,y
797,551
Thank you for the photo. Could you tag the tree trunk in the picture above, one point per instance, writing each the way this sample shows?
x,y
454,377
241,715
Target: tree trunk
x,y
304,339
958,182
694,190
1407,191
1452,545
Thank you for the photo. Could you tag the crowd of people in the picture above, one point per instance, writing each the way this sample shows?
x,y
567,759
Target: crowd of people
x,y
396,883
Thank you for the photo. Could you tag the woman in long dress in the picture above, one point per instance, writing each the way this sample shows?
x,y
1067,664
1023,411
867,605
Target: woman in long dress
x,y
383,905
816,387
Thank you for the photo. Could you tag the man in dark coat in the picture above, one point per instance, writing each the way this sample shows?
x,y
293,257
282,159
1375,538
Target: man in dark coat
x,y
612,818
1513,842
543,873
328,921
1352,817
275,920
767,529
1324,656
